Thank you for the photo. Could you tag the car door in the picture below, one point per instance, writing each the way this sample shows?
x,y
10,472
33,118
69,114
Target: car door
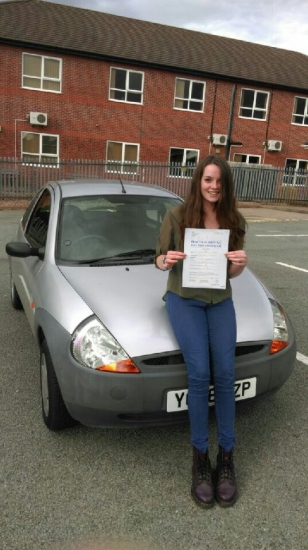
x,y
27,269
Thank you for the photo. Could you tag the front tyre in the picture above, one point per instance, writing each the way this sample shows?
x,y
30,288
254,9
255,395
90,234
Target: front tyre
x,y
16,303
55,413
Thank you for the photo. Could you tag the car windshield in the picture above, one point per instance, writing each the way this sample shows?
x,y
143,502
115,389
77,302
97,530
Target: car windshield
x,y
111,227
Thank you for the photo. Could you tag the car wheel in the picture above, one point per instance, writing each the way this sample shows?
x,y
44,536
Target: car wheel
x,y
55,413
16,303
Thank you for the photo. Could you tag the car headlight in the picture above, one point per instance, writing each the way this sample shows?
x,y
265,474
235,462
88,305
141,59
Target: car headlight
x,y
280,334
94,346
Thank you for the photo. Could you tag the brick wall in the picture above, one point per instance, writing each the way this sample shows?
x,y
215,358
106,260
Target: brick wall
x,y
85,119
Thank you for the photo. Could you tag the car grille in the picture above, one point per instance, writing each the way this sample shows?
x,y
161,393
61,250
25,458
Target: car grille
x,y
246,350
165,360
178,359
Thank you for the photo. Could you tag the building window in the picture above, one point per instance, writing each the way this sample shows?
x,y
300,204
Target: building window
x,y
39,148
300,111
182,162
296,172
122,157
248,159
253,104
126,85
41,73
189,94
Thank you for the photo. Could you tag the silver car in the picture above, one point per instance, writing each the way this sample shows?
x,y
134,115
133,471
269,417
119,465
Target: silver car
x,y
81,267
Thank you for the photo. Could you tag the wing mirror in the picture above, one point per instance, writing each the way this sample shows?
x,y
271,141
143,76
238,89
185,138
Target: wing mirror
x,y
24,250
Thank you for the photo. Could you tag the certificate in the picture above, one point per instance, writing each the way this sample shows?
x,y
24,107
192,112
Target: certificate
x,y
205,265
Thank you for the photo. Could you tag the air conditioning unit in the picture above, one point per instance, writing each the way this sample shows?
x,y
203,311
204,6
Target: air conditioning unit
x,y
38,119
274,145
219,139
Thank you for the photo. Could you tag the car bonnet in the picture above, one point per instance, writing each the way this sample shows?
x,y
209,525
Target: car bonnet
x,y
128,300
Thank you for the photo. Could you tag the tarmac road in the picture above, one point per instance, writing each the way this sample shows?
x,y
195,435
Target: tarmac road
x,y
67,489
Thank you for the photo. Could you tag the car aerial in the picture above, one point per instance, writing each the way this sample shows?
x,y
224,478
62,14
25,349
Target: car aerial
x,y
82,269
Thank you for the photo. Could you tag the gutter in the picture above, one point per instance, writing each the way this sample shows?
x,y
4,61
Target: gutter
x,y
149,65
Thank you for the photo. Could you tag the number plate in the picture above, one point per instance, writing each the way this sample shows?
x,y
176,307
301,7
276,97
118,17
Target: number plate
x,y
244,389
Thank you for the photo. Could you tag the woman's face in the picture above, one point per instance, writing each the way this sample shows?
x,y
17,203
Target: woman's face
x,y
211,183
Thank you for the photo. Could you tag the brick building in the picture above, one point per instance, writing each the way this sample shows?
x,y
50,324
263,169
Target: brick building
x,y
80,84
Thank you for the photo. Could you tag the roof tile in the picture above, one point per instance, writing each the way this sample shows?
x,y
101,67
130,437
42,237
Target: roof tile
x,y
91,33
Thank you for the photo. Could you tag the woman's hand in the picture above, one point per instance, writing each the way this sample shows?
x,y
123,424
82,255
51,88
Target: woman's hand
x,y
238,259
167,261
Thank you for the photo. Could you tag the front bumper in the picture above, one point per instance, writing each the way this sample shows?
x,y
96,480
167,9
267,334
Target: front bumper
x,y
102,399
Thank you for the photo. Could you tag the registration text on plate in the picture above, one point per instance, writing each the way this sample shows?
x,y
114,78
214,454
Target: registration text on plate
x,y
244,389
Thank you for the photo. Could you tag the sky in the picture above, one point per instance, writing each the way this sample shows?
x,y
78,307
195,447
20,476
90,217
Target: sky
x,y
278,23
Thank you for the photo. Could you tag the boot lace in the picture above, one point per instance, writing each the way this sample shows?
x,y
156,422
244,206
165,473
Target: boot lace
x,y
226,471
204,470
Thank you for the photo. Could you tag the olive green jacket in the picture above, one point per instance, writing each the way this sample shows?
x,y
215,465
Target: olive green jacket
x,y
170,239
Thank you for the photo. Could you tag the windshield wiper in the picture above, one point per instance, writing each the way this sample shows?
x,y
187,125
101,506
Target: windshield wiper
x,y
142,252
129,255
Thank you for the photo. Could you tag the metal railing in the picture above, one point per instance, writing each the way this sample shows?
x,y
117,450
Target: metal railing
x,y
19,180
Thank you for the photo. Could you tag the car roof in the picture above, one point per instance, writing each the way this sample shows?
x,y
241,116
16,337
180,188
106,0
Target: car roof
x,y
86,187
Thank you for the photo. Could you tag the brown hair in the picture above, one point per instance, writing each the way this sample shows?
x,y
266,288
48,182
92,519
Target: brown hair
x,y
227,214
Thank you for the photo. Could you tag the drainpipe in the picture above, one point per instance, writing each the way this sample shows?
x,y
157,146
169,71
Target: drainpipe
x,y
212,121
267,126
228,146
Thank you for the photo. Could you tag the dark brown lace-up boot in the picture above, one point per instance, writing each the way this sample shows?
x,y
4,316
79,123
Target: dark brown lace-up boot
x,y
226,488
202,488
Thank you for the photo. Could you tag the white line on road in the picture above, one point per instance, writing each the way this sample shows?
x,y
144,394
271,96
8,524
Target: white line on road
x,y
302,358
292,267
258,220
281,235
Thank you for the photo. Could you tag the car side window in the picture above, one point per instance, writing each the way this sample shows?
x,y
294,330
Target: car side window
x,y
28,211
37,228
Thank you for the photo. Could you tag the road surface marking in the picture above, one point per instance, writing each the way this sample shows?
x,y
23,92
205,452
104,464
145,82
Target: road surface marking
x,y
302,358
258,220
281,235
292,267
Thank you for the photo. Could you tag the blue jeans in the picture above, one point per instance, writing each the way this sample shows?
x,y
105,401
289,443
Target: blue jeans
x,y
206,334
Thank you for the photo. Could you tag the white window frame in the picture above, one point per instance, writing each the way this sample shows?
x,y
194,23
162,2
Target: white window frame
x,y
123,161
40,153
295,177
305,115
42,77
183,168
247,155
189,99
127,89
254,108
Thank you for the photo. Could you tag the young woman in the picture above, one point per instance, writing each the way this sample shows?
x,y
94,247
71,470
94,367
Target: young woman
x,y
204,324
